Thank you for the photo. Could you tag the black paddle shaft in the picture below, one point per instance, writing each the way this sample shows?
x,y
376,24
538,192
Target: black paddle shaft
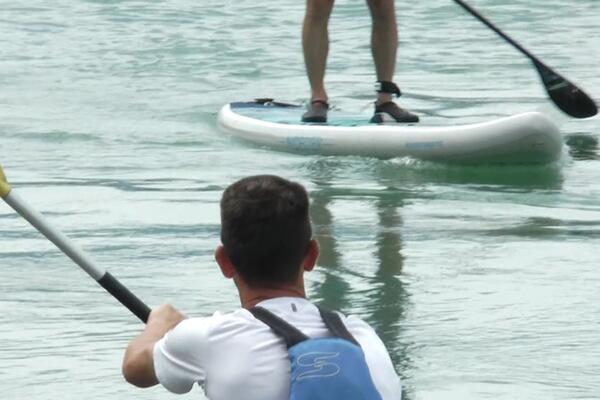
x,y
493,27
125,297
568,97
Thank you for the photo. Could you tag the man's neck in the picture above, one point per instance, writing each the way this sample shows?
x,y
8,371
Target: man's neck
x,y
251,296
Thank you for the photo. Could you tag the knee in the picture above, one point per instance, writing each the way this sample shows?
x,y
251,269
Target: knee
x,y
318,10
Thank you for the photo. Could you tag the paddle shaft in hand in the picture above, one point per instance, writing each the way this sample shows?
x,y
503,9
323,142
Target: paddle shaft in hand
x,y
568,97
74,252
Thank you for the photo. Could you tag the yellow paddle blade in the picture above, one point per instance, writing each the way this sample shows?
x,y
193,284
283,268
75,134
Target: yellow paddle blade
x,y
4,186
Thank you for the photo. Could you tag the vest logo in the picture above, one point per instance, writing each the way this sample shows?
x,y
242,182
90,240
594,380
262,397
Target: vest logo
x,y
317,364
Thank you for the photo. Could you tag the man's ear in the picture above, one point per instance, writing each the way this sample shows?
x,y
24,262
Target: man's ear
x,y
312,254
224,262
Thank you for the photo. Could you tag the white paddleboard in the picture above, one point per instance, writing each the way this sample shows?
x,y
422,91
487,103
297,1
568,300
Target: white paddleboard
x,y
528,138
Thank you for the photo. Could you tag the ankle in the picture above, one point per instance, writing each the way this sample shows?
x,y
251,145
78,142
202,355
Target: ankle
x,y
383,98
319,99
319,95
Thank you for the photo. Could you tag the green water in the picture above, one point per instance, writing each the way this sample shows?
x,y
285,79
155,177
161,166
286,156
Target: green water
x,y
482,281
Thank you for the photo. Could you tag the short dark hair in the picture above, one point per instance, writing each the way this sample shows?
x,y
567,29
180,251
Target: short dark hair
x,y
265,228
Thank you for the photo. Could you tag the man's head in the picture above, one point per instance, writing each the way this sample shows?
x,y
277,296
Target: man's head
x,y
265,229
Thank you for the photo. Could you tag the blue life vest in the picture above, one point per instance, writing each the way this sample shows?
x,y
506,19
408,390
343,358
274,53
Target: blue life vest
x,y
323,368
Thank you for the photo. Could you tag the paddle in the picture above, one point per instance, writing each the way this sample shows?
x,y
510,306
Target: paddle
x,y
75,253
563,93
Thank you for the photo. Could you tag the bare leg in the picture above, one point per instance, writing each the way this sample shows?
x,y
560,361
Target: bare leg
x,y
384,42
315,43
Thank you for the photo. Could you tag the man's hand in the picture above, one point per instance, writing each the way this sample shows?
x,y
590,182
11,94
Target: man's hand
x,y
162,319
138,362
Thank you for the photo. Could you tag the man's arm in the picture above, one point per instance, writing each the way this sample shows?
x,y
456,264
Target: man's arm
x,y
138,362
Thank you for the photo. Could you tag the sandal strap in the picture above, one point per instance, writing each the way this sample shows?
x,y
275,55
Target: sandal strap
x,y
387,87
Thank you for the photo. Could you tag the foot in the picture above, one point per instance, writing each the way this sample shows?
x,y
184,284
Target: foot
x,y
316,112
390,112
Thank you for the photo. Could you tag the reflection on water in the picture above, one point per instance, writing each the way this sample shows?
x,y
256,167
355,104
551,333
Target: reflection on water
x,y
412,172
377,288
382,304
583,146
332,291
388,299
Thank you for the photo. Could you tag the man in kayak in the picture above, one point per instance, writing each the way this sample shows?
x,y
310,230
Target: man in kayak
x,y
267,247
384,44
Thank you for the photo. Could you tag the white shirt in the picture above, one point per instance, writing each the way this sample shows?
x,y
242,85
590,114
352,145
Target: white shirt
x,y
235,356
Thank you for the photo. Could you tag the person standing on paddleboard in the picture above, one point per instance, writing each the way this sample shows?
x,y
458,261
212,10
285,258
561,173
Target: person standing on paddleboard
x,y
267,247
384,44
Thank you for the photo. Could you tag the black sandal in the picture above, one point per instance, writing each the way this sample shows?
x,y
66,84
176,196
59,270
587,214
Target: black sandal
x,y
389,111
316,112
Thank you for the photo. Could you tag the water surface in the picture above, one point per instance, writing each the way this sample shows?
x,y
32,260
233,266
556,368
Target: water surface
x,y
482,281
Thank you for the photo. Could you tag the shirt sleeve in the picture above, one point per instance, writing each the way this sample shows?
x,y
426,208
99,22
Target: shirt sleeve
x,y
180,355
382,369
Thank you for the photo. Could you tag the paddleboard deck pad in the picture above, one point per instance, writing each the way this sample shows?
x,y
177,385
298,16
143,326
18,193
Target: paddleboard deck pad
x,y
528,138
